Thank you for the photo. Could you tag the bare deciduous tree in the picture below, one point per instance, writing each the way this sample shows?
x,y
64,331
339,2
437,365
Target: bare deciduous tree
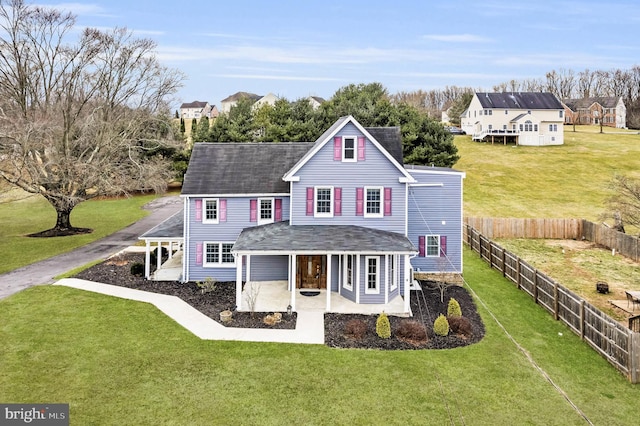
x,y
79,119
624,204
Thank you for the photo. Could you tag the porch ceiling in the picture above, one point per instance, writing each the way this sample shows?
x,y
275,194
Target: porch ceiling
x,y
281,236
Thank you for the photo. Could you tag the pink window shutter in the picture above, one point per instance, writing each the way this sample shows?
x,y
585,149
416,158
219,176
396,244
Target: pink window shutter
x,y
310,201
199,254
337,148
361,148
387,201
223,210
337,207
278,203
443,246
359,201
421,251
253,210
198,210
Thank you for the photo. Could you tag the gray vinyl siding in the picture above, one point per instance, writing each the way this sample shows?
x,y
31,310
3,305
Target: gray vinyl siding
x,y
238,210
336,273
428,208
269,268
375,170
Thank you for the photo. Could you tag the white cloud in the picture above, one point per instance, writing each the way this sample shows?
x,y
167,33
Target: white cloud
x,y
274,77
79,9
457,38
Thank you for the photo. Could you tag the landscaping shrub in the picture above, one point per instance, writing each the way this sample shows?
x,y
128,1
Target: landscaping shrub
x,y
412,331
206,286
441,326
355,328
383,326
137,269
460,325
453,308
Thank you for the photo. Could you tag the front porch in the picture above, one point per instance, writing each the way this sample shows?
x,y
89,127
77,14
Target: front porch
x,y
274,296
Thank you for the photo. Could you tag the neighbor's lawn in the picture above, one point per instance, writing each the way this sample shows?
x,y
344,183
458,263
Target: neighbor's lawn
x,y
20,216
120,361
555,182
578,266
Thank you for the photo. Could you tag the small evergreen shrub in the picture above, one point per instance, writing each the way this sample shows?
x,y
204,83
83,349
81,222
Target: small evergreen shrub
x,y
441,326
461,326
137,269
355,328
412,331
383,326
453,308
206,286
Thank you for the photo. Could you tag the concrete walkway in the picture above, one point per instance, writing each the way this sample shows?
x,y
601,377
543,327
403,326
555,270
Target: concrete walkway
x,y
44,272
309,325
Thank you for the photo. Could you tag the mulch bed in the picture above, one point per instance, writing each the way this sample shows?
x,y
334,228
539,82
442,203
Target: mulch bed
x,y
425,305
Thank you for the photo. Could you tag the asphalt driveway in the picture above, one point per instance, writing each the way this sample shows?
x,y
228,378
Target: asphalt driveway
x,y
43,272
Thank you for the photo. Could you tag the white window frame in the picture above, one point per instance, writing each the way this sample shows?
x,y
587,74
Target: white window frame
x,y
349,273
375,290
219,263
315,202
262,221
426,245
355,149
204,210
366,201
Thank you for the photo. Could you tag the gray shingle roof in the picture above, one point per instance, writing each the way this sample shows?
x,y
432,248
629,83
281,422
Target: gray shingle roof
x,y
606,102
241,168
390,138
281,236
239,95
519,100
194,104
172,227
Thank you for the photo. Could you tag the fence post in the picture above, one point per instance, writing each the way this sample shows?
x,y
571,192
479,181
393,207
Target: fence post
x,y
556,302
504,265
518,272
634,357
582,319
535,285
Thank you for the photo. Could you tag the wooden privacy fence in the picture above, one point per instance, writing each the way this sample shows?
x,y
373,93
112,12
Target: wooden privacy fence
x,y
562,229
616,343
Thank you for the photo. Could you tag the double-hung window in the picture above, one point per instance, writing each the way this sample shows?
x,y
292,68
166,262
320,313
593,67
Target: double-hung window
x,y
432,246
218,254
374,202
349,271
266,211
349,148
211,214
372,276
323,201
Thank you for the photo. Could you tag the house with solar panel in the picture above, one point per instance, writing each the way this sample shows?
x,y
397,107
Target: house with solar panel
x,y
520,118
342,219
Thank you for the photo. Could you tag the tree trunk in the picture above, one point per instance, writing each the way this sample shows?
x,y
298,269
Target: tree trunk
x,y
63,207
63,222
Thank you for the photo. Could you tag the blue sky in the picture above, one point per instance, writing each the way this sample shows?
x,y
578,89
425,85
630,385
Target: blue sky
x,y
299,48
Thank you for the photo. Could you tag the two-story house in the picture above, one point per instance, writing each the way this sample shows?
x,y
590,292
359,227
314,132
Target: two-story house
x,y
609,111
342,215
198,109
523,118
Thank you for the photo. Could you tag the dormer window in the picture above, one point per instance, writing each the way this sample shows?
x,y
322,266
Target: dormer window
x,y
349,148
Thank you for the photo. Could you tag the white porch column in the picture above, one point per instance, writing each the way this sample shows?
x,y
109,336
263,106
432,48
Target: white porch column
x,y
357,283
238,282
386,279
292,278
170,249
248,268
159,255
328,283
147,261
407,283
340,273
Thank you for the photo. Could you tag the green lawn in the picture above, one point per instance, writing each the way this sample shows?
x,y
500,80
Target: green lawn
x,y
122,362
555,181
23,216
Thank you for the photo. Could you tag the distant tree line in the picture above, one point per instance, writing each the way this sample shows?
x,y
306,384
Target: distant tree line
x,y
425,141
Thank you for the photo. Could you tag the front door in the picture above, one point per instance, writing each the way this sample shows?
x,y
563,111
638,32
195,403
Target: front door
x,y
312,272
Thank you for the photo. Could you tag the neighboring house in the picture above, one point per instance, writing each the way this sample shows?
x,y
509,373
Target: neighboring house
x,y
523,118
197,110
343,215
268,99
229,101
610,111
315,101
